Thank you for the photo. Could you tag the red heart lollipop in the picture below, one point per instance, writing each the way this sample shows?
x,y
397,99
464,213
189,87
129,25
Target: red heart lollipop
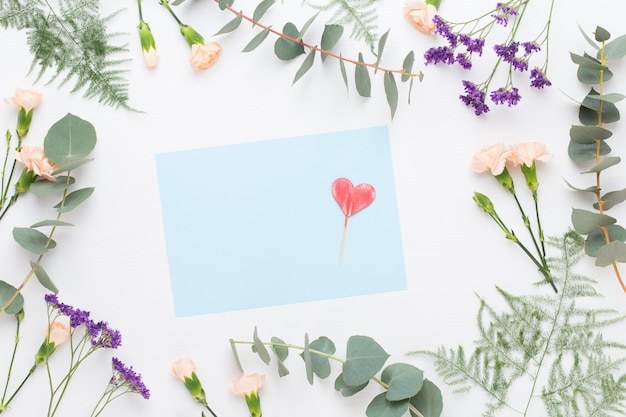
x,y
351,199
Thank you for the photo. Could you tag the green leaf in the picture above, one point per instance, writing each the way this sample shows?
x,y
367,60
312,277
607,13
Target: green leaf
x,y
362,79
344,74
306,26
613,252
588,39
44,223
69,139
403,380
73,199
585,222
287,49
580,153
609,98
604,164
32,240
306,355
428,401
230,26
330,37
588,112
381,407
345,389
596,239
391,91
259,348
588,134
364,358
223,4
593,76
587,62
407,66
281,351
591,189
45,187
43,277
261,8
615,49
233,348
6,292
321,364
306,65
602,34
381,47
257,40
71,165
611,199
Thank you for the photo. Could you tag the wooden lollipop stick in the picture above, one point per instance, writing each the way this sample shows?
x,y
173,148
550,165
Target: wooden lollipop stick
x,y
343,238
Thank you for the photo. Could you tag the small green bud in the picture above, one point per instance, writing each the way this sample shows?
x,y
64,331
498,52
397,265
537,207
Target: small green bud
x,y
191,36
26,179
530,174
506,180
484,202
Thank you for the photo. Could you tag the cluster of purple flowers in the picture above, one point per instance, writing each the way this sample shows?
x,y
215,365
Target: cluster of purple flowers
x,y
504,12
101,334
125,376
475,95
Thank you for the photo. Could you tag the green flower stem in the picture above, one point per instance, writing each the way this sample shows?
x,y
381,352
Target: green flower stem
x,y
140,11
539,228
40,257
166,4
206,405
315,48
30,372
3,404
540,252
6,181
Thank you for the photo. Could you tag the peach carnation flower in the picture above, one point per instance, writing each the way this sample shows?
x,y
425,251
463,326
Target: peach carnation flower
x,y
528,152
420,14
36,161
58,333
25,98
491,158
204,55
183,368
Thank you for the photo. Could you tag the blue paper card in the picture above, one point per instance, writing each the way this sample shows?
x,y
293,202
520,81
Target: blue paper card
x,y
255,225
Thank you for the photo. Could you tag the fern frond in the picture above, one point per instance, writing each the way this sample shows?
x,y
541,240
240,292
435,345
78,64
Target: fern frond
x,y
552,341
72,44
361,14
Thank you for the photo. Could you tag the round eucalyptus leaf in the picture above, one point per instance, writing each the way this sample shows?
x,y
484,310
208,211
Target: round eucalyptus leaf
x,y
320,365
69,139
73,199
345,389
428,401
601,34
585,152
403,380
585,222
286,49
364,358
33,240
611,199
45,187
6,292
330,37
613,252
382,407
281,351
596,239
615,49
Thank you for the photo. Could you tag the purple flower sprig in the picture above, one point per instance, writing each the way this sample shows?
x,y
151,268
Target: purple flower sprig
x,y
124,381
466,41
86,337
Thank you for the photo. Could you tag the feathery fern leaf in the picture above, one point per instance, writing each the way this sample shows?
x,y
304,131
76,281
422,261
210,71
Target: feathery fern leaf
x,y
551,342
73,43
361,14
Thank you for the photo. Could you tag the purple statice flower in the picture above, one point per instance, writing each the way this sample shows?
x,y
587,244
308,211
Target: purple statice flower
x,y
508,54
442,28
474,97
503,14
439,54
104,336
76,315
125,376
462,60
538,79
501,96
530,47
472,45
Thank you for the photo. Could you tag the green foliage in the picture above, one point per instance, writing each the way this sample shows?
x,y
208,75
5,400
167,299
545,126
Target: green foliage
x,y
360,14
68,143
71,43
404,385
290,44
554,342
605,241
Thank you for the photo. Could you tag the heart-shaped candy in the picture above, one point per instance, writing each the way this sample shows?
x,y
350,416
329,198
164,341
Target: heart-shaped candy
x,y
352,199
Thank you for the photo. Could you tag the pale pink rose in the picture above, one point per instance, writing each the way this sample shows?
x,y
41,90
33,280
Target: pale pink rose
x,y
58,333
491,158
420,15
36,161
183,367
204,55
528,152
151,58
248,384
25,98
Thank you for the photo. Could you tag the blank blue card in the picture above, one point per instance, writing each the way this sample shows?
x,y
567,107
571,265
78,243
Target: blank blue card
x,y
256,224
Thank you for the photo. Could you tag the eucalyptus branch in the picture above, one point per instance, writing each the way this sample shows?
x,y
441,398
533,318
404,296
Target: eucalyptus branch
x,y
315,48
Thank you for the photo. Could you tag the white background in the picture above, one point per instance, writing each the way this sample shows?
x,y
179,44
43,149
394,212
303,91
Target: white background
x,y
114,261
